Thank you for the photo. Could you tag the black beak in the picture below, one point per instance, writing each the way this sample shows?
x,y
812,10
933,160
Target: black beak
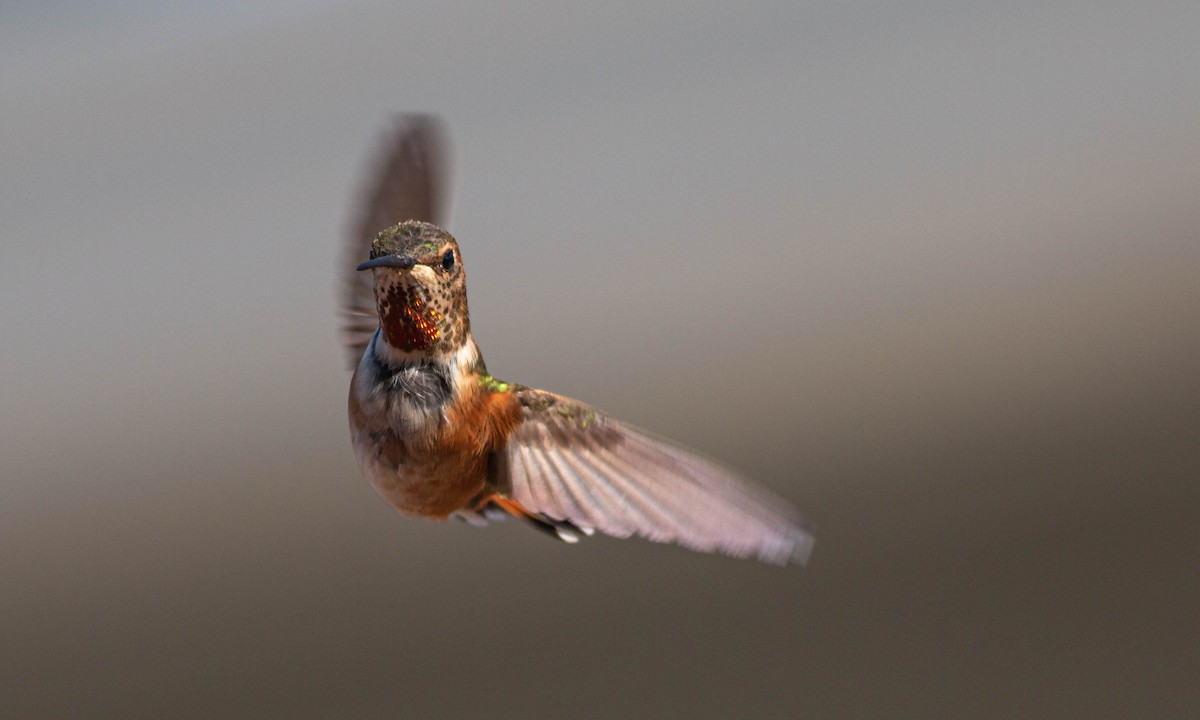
x,y
404,262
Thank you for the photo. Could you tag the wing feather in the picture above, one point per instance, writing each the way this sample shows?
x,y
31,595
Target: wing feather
x,y
570,463
407,183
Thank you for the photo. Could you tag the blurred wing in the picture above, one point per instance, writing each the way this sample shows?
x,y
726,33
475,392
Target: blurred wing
x,y
408,183
570,463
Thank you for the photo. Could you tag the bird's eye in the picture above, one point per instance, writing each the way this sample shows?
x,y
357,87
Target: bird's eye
x,y
448,260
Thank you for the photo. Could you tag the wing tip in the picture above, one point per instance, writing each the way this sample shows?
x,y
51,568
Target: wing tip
x,y
801,549
793,549
423,141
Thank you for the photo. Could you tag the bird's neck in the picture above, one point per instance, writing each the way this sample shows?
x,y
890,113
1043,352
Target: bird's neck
x,y
460,366
408,323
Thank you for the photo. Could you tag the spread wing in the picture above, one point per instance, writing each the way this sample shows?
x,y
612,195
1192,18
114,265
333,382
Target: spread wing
x,y
568,462
408,182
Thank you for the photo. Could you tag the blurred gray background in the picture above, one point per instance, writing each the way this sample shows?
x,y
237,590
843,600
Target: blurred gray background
x,y
930,270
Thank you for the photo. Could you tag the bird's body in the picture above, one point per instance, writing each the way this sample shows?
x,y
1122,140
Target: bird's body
x,y
423,433
438,436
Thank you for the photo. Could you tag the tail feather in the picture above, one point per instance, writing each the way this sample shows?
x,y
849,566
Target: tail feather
x,y
496,506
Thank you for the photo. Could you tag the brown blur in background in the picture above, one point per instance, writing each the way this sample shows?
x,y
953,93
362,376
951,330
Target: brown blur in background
x,y
931,271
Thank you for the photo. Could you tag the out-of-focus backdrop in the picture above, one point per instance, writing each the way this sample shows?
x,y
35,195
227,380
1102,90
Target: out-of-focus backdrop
x,y
930,270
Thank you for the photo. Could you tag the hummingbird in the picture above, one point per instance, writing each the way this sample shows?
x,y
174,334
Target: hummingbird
x,y
438,436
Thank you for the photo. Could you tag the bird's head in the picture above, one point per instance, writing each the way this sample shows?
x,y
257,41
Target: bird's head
x,y
420,290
